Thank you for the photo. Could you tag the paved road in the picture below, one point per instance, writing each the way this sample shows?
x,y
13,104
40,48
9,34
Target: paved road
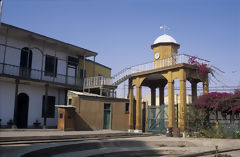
x,y
159,143
50,132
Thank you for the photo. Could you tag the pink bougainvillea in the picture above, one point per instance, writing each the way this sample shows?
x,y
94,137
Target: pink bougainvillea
x,y
202,67
235,109
193,60
228,103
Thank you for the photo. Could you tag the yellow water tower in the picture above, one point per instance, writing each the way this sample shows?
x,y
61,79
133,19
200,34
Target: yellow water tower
x,y
164,47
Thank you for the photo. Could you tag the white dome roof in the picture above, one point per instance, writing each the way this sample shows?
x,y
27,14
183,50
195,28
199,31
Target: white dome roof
x,y
165,39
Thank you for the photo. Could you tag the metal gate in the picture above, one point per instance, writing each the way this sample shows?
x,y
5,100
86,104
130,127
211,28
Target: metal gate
x,y
157,118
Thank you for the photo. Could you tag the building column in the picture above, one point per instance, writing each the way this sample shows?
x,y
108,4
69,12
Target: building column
x,y
84,64
205,86
5,49
182,107
43,48
138,109
94,62
161,95
45,106
15,105
131,101
170,104
153,96
194,91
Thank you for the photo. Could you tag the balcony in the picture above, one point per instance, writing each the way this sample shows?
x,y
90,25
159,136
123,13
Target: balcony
x,y
37,75
98,81
10,66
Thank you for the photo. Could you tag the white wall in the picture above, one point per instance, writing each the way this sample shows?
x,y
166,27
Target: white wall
x,y
35,93
7,93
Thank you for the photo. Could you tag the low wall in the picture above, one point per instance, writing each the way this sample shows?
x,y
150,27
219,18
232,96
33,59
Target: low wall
x,y
89,113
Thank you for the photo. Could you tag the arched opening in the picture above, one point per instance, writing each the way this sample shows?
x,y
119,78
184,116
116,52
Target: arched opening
x,y
22,110
25,62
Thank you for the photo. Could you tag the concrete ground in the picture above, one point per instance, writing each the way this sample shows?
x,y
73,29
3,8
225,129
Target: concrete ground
x,y
49,132
95,144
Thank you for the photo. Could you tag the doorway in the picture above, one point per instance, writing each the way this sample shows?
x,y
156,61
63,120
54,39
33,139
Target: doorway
x,y
25,62
22,110
107,118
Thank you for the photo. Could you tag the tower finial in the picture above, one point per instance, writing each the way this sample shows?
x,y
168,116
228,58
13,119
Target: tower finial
x,y
165,28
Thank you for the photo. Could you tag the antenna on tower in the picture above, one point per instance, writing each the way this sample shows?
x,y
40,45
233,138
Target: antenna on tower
x,y
165,28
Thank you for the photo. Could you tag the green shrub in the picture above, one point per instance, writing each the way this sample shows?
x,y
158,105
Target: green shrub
x,y
199,126
237,134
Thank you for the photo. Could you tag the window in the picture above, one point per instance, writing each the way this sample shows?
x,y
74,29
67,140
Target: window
x,y
72,61
107,107
25,62
51,66
126,108
50,110
26,58
69,101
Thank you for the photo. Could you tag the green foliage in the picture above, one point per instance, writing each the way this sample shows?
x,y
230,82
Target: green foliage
x,y
197,121
237,134
222,131
199,126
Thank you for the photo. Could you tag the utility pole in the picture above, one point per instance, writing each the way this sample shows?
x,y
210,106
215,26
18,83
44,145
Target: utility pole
x,y
124,90
1,6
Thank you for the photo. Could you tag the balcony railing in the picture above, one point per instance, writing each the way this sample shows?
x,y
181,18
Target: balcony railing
x,y
33,74
97,81
10,65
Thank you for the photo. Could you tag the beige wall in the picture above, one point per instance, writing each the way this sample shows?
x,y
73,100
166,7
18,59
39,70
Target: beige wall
x,y
147,98
165,51
99,69
90,112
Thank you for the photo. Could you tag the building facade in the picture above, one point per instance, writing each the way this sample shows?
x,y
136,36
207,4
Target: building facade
x,y
35,74
96,112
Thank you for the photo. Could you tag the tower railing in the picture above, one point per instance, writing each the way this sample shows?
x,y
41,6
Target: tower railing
x,y
124,74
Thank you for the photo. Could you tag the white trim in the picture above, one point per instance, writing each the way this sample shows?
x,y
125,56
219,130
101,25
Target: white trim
x,y
137,131
130,130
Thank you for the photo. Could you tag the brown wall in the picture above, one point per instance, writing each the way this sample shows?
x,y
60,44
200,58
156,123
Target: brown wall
x,y
90,112
67,120
61,121
165,50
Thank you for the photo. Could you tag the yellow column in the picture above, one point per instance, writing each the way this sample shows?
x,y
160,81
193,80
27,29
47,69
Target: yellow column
x,y
194,91
182,108
153,96
170,104
138,108
161,95
131,101
205,86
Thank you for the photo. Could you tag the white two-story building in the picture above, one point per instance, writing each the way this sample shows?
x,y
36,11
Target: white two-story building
x,y
35,74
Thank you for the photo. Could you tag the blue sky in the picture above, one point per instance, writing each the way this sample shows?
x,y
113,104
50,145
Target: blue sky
x,y
121,31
